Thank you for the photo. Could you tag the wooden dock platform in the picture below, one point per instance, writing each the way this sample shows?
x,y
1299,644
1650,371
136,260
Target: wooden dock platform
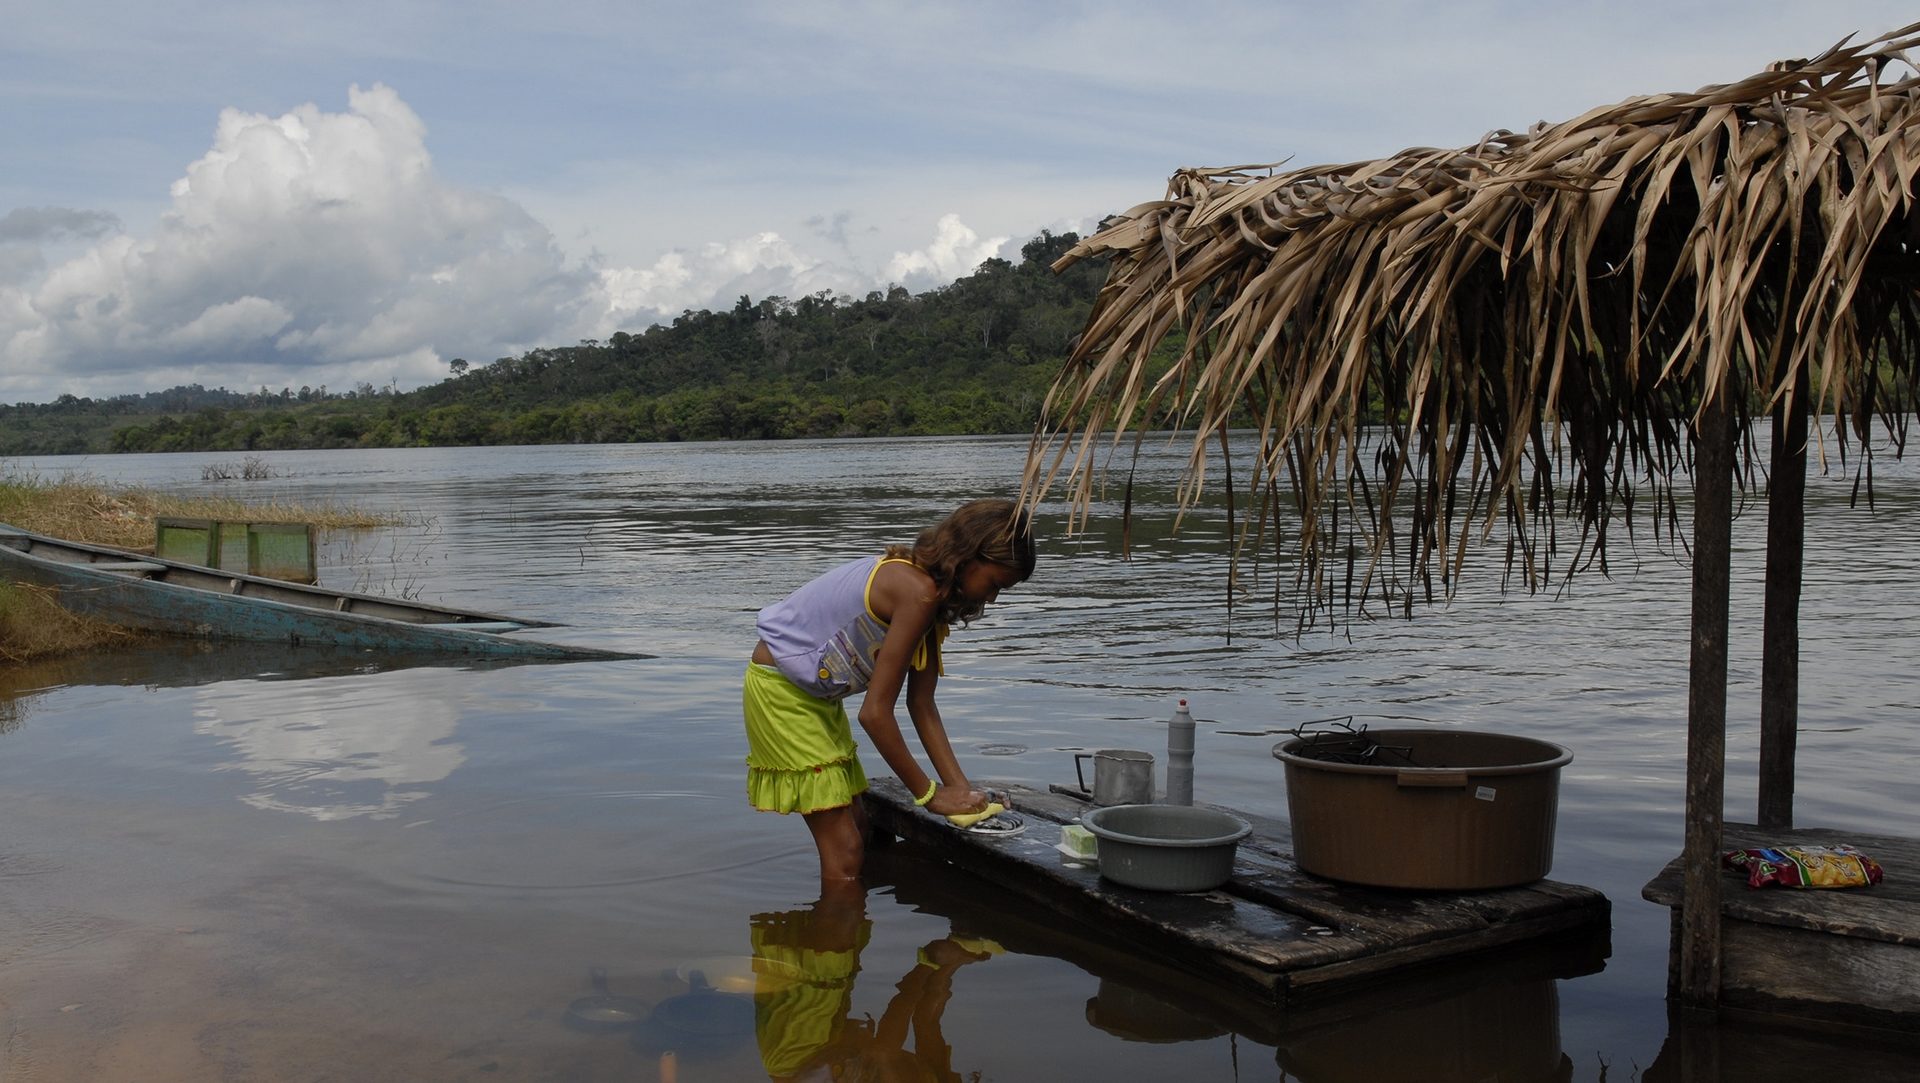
x,y
1848,956
1271,934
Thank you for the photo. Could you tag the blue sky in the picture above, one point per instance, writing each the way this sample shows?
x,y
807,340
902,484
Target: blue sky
x,y
278,194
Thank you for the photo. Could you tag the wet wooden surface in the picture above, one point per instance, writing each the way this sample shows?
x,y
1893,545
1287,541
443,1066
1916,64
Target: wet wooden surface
x,y
1845,955
1271,932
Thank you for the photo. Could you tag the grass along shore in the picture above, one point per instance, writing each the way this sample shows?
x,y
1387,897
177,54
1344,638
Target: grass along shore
x,y
32,622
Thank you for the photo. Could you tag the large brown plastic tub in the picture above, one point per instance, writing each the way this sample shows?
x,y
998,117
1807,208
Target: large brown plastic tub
x,y
1477,810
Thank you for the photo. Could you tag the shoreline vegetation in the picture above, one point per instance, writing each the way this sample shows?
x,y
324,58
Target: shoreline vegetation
x,y
970,358
33,624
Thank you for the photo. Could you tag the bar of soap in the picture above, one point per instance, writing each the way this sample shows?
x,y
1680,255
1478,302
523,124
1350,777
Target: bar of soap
x,y
1078,841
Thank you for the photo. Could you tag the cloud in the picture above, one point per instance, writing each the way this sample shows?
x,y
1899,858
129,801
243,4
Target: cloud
x,y
245,320
714,275
832,229
41,225
766,264
956,250
325,248
308,243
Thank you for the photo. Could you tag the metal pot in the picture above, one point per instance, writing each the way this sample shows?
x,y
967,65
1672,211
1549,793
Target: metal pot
x,y
1121,776
603,1010
701,1020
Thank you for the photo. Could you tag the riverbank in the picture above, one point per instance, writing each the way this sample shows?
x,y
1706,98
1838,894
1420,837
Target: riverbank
x,y
32,622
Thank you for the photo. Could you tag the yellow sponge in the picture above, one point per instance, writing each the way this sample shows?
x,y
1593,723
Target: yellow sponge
x,y
968,819
979,945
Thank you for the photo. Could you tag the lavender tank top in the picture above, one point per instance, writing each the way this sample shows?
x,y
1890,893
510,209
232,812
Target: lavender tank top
x,y
823,636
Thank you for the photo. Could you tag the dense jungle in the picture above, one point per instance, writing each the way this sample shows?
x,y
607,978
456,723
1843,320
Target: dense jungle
x,y
975,356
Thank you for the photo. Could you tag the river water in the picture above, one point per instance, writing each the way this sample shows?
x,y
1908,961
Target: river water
x,y
246,863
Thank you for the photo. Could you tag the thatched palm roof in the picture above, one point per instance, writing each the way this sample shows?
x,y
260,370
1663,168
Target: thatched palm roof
x,y
1537,318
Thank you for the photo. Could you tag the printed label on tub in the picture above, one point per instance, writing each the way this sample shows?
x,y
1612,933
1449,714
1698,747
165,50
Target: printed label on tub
x,y
1484,793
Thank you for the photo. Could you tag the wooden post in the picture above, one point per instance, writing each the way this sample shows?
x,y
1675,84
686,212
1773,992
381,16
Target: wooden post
x,y
1698,970
1699,1049
1780,656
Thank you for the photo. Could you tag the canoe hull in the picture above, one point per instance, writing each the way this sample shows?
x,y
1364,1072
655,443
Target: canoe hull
x,y
181,599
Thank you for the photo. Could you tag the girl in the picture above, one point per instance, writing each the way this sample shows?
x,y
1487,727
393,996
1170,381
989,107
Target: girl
x,y
875,624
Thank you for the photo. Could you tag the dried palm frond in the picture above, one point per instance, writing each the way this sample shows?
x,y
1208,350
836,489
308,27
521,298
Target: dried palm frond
x,y
1531,322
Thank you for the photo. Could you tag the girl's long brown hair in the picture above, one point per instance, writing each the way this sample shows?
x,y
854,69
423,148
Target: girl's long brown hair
x,y
992,530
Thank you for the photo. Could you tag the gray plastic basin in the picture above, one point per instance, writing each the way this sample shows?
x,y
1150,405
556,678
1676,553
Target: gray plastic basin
x,y
1166,847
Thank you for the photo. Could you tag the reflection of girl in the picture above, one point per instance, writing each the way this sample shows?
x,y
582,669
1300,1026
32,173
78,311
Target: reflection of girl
x,y
874,625
807,960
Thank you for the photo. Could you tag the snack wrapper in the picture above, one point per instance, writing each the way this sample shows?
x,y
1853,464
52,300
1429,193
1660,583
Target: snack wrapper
x,y
1804,866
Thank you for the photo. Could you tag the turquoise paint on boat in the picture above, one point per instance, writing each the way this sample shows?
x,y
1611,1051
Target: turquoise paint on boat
x,y
178,598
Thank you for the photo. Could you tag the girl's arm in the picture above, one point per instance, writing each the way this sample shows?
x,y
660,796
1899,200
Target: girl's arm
x,y
903,597
927,723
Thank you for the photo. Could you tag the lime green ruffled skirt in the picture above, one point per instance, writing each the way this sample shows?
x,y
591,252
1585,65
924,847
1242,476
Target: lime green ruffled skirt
x,y
806,989
800,751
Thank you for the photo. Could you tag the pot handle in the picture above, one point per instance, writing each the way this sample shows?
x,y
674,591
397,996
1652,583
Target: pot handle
x,y
1431,779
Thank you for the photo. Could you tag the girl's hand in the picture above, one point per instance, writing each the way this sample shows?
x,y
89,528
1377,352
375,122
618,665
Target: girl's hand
x,y
949,801
944,953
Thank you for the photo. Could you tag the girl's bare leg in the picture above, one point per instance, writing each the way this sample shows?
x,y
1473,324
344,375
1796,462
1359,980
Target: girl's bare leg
x,y
840,836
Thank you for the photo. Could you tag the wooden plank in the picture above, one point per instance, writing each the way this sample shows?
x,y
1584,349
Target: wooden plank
x,y
1271,931
1405,929
190,541
1888,911
922,877
282,551
1576,927
1234,941
1772,966
1266,874
1374,916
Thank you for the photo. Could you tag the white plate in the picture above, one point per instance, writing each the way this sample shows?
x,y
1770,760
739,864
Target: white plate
x,y
1021,829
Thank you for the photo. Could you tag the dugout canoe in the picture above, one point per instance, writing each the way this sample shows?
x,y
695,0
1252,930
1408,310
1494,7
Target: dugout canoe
x,y
177,598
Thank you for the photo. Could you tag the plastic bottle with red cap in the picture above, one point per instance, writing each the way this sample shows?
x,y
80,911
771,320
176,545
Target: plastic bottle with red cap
x,y
1180,757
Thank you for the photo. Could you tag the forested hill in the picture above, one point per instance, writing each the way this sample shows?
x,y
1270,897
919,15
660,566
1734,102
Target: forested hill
x,y
975,356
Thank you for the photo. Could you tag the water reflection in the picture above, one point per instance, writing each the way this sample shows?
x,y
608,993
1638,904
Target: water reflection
x,y
165,662
805,1024
334,753
795,1008
595,813
1491,1032
183,663
1493,1019
1735,1051
1126,1011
